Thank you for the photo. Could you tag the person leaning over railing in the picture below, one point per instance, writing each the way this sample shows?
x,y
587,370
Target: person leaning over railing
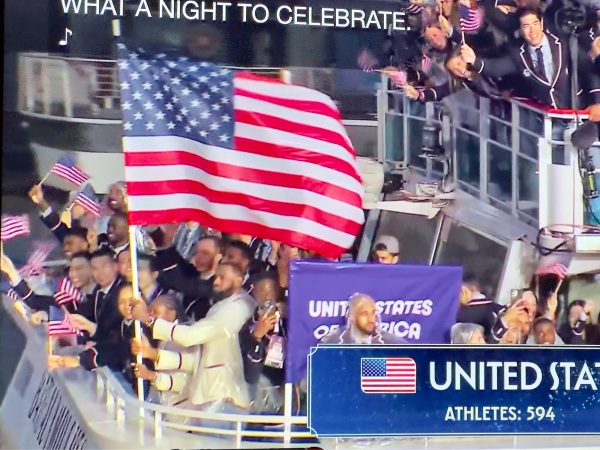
x,y
462,78
542,62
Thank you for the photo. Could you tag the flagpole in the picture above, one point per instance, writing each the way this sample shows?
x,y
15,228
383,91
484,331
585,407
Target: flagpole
x,y
116,30
45,178
137,297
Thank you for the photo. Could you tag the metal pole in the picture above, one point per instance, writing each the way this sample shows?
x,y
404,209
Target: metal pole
x,y
287,413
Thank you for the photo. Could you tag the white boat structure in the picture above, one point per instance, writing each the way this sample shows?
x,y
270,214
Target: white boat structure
x,y
490,204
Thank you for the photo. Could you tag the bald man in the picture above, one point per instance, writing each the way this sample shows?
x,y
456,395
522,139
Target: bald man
x,y
362,325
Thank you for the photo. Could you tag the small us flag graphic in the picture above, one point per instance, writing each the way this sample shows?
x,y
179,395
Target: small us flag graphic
x,y
388,375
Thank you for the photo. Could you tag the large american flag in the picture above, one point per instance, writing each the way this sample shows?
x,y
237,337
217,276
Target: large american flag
x,y
470,18
388,375
59,322
67,169
67,293
14,226
236,152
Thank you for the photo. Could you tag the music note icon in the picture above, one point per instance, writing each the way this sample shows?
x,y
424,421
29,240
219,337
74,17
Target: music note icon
x,y
65,40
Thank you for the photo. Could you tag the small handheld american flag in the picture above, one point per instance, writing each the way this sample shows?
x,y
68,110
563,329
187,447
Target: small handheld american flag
x,y
12,294
556,269
59,323
34,266
426,63
14,226
367,61
67,293
470,18
388,375
413,8
7,289
88,201
66,169
397,76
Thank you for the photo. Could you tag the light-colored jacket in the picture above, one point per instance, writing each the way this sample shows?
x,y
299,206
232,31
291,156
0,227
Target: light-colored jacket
x,y
218,373
174,367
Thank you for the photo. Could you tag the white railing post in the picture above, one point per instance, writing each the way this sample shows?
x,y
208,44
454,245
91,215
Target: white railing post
x,y
46,86
157,425
381,124
30,88
484,135
115,405
238,434
515,136
287,413
67,99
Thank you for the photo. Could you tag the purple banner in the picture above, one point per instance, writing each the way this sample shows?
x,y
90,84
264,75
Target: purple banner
x,y
417,303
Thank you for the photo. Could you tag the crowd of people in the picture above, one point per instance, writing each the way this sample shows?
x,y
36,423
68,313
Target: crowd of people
x,y
213,306
213,309
496,49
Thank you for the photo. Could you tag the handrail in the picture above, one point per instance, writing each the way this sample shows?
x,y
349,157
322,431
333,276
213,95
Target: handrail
x,y
514,148
115,396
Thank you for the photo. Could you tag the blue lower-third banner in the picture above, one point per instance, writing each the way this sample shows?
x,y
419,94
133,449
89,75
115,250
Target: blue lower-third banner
x,y
453,390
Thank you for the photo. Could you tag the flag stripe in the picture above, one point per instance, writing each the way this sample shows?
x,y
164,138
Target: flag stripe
x,y
271,205
305,98
298,104
248,161
320,157
266,122
229,218
237,212
230,179
247,101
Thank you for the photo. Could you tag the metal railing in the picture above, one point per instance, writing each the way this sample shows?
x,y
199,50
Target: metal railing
x,y
501,150
80,89
120,403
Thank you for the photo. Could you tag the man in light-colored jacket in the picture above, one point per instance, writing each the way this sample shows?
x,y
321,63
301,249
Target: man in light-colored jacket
x,y
218,377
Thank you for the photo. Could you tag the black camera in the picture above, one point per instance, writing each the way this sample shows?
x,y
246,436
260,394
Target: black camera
x,y
571,17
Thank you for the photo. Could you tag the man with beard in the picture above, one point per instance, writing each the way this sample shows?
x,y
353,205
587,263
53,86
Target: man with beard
x,y
217,382
362,325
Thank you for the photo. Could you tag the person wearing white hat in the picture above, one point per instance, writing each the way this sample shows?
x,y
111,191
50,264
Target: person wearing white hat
x,y
386,250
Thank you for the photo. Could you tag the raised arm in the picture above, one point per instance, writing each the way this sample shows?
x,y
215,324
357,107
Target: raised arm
x,y
490,67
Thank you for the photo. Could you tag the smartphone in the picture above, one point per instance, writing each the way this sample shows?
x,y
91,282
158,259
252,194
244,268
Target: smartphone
x,y
272,309
516,294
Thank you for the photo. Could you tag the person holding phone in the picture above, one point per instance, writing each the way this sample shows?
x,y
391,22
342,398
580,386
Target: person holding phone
x,y
575,330
262,338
